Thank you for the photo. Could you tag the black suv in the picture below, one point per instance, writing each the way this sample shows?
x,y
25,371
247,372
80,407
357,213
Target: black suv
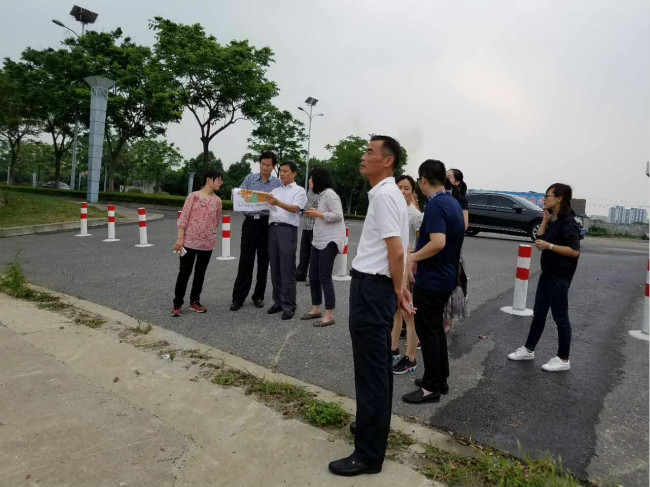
x,y
503,213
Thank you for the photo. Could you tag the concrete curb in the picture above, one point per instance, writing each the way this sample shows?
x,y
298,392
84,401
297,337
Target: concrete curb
x,y
66,226
417,431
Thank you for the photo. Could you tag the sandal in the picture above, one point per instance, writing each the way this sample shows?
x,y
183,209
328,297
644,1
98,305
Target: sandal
x,y
321,323
309,316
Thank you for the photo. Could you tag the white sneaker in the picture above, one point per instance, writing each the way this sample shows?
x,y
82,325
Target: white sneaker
x,y
556,365
521,354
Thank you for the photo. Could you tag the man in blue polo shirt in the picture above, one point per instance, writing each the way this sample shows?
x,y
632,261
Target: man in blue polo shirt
x,y
437,256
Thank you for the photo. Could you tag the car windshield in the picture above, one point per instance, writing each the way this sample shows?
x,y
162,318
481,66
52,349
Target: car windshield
x,y
525,203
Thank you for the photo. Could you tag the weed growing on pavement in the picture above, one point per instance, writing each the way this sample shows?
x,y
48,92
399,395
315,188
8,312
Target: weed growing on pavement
x,y
323,413
282,391
398,440
140,329
196,353
13,282
88,320
491,468
225,379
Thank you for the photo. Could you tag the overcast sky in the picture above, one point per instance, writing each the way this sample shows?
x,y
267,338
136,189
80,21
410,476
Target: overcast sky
x,y
518,94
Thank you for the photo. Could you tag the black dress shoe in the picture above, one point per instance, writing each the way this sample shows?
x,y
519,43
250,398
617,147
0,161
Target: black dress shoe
x,y
287,316
444,388
235,306
259,303
353,427
350,466
274,309
418,397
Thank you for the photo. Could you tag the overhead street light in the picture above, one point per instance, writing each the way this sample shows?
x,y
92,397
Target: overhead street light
x,y
83,16
311,102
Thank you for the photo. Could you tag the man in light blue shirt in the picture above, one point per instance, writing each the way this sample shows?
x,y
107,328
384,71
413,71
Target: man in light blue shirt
x,y
254,238
286,202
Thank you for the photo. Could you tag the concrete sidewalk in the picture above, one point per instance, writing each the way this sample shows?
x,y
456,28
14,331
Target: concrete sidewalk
x,y
79,406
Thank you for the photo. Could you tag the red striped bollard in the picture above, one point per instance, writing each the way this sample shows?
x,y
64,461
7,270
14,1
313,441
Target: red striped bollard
x,y
225,239
179,214
111,225
142,220
341,262
643,333
521,283
83,221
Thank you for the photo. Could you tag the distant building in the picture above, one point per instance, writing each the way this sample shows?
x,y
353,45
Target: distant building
x,y
620,214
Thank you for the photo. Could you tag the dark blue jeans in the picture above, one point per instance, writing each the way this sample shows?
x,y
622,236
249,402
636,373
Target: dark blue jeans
x,y
551,293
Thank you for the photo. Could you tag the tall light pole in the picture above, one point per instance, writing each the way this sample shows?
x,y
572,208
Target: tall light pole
x,y
84,17
312,103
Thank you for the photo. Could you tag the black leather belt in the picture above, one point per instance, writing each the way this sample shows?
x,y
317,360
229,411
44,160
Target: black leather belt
x,y
282,224
257,217
370,277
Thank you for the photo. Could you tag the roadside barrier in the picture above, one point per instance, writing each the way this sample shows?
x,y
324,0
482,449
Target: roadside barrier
x,y
142,220
643,333
83,221
518,307
111,225
341,262
225,239
179,214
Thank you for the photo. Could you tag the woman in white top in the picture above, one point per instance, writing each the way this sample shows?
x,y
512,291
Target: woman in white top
x,y
407,363
328,241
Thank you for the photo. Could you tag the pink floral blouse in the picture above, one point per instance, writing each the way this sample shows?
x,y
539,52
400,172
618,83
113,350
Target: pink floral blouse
x,y
200,218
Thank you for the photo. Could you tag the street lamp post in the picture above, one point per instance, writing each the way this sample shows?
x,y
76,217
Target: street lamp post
x,y
84,17
312,103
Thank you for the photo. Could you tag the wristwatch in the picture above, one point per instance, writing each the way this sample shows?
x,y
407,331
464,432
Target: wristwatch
x,y
550,247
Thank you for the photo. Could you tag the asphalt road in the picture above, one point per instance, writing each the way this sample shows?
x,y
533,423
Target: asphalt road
x,y
595,416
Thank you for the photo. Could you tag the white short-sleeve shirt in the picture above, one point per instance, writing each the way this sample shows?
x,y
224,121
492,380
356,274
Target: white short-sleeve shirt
x,y
387,217
291,194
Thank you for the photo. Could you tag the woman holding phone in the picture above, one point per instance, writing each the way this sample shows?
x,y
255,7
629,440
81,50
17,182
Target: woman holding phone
x,y
197,237
328,241
558,239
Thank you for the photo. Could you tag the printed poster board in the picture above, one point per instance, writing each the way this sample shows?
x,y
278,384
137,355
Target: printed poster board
x,y
249,200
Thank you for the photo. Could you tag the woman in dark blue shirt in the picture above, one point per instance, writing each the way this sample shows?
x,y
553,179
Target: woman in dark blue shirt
x,y
559,240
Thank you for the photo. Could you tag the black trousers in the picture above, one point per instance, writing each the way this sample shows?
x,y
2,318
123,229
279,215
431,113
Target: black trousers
x,y
433,340
372,307
254,240
305,254
202,258
320,275
283,241
551,293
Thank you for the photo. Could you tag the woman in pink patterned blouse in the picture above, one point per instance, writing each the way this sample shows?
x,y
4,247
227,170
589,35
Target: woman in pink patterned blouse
x,y
197,235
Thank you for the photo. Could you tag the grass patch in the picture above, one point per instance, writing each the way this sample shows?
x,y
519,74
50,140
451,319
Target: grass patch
x,y
282,391
140,329
33,209
225,379
493,469
398,440
88,320
196,354
13,282
325,414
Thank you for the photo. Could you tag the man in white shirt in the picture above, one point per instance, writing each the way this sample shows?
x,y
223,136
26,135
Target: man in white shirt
x,y
284,218
377,288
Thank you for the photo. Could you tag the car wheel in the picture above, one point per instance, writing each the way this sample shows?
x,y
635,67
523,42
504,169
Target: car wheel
x,y
534,228
471,232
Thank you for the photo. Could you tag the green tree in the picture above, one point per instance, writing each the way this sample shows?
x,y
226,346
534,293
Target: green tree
x,y
198,167
280,132
219,84
17,121
149,159
56,102
35,157
143,101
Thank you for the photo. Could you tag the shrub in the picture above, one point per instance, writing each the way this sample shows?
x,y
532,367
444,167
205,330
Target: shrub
x,y
134,190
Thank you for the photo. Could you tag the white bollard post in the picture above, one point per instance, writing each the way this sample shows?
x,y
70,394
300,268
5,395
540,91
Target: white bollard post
x,y
225,239
111,225
84,221
341,262
142,220
518,307
643,333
